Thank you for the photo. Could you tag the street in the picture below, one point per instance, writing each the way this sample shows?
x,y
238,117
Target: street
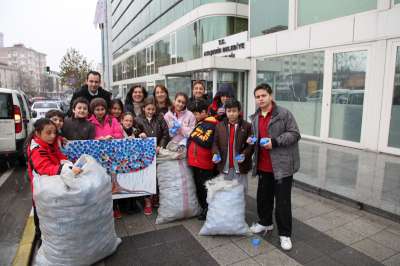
x,y
15,205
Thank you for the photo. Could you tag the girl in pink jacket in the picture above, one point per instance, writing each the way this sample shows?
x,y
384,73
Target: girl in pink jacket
x,y
181,121
107,127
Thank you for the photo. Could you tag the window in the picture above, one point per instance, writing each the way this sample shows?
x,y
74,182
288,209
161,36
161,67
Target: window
x,y
313,11
173,47
268,16
21,103
394,130
162,53
150,68
347,95
396,2
6,106
297,88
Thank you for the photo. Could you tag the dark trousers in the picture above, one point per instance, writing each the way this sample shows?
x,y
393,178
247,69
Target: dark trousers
x,y
38,233
270,190
200,177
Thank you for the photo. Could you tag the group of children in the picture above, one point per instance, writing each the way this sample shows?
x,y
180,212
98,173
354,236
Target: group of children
x,y
217,142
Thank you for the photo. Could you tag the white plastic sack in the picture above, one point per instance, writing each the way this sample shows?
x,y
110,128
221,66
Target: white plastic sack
x,y
226,208
178,198
75,216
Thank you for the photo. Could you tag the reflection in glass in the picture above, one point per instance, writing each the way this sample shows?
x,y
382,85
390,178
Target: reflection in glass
x,y
313,11
268,16
394,131
297,83
347,96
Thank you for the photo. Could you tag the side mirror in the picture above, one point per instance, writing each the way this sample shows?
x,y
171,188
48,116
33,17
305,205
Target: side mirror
x,y
34,114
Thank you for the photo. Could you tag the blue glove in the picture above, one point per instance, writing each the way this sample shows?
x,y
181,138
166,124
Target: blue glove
x,y
264,141
216,158
176,124
173,131
240,158
253,139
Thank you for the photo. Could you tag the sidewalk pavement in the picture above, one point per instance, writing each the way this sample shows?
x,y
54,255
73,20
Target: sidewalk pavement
x,y
324,233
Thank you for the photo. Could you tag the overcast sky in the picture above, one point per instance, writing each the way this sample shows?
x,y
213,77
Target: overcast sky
x,y
51,27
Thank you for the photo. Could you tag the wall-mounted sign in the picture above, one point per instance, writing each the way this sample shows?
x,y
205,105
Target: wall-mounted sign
x,y
235,45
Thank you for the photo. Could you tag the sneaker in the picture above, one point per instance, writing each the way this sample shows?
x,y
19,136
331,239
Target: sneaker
x,y
286,243
258,228
117,214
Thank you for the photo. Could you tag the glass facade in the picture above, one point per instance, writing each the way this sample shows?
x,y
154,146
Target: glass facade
x,y
394,131
135,20
347,95
268,16
313,11
184,45
396,1
297,83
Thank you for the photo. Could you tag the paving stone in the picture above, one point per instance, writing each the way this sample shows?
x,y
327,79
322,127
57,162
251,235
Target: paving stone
x,y
364,227
228,254
320,223
304,253
120,228
247,246
325,261
388,239
246,262
352,257
392,261
302,214
345,235
274,258
210,242
201,259
325,244
373,249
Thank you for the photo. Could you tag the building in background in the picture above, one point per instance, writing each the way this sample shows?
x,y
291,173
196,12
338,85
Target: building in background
x,y
9,76
168,42
334,64
1,40
30,65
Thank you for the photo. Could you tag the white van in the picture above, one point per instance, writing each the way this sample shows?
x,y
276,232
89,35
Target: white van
x,y
15,122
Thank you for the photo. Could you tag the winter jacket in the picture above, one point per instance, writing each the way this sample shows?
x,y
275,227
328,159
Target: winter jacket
x,y
44,158
205,97
84,92
110,127
78,129
156,127
221,144
134,131
187,121
200,143
285,135
224,89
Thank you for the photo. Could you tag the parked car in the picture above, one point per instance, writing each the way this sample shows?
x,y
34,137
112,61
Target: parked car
x,y
15,122
39,109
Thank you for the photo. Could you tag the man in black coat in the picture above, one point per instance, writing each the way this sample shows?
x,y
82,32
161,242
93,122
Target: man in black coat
x,y
91,90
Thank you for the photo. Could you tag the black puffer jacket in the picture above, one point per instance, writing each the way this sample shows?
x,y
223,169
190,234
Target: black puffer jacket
x,y
156,127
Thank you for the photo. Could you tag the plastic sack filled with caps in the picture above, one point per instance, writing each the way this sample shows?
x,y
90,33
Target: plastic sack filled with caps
x,y
177,190
226,208
75,215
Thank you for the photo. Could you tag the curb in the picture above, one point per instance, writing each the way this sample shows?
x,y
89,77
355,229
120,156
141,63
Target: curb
x,y
26,245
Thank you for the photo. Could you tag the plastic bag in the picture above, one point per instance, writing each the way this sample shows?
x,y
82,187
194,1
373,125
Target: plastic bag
x,y
226,208
178,198
75,216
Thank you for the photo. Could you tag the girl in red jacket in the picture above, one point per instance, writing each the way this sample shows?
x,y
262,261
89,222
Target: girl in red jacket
x,y
44,156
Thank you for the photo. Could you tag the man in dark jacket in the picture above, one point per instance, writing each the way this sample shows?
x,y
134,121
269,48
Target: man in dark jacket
x,y
276,159
91,90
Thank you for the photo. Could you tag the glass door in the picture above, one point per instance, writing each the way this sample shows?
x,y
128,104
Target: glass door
x,y
390,129
345,86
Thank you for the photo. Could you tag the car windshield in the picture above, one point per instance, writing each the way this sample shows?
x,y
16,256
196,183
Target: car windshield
x,y
45,105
